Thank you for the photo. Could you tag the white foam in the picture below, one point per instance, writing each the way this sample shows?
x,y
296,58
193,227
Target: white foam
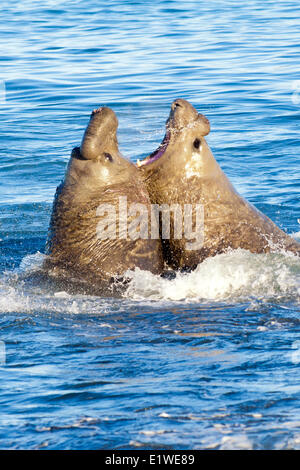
x,y
296,235
164,415
13,301
32,263
236,442
236,276
231,276
151,433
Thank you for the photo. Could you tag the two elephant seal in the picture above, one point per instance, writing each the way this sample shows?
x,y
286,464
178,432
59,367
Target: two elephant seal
x,y
98,176
183,171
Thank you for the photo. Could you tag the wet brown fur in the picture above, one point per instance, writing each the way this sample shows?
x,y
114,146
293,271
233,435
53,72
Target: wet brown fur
x,y
74,249
187,175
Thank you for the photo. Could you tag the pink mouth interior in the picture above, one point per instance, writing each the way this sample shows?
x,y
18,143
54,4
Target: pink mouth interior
x,y
158,152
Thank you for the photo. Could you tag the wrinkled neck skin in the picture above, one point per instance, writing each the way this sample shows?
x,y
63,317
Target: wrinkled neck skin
x,y
187,173
73,244
84,177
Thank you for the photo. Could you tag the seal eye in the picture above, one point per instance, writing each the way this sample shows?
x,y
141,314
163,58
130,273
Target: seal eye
x,y
197,143
108,157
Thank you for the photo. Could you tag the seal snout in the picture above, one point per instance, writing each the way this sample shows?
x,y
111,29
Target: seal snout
x,y
183,119
183,115
100,133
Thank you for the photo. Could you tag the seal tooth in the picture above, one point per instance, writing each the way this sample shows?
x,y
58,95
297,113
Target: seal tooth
x,y
140,163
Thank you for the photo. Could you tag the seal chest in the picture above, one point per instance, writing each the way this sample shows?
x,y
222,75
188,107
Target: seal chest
x,y
194,167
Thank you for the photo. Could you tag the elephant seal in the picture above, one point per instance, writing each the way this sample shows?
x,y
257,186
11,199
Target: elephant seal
x,y
183,171
97,176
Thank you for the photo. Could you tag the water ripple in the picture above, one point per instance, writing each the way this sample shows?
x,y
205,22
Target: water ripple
x,y
209,360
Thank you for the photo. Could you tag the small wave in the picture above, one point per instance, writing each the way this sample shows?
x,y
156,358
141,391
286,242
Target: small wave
x,y
16,299
235,276
296,235
13,301
31,263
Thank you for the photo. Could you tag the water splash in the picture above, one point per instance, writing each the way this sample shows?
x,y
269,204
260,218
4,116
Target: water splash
x,y
236,276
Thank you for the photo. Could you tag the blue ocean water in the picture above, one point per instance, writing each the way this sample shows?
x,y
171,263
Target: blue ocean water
x,y
211,359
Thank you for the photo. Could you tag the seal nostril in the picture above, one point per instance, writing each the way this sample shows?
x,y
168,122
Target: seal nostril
x,y
197,143
175,105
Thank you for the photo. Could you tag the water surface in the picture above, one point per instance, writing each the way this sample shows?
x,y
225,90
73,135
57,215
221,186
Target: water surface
x,y
210,359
